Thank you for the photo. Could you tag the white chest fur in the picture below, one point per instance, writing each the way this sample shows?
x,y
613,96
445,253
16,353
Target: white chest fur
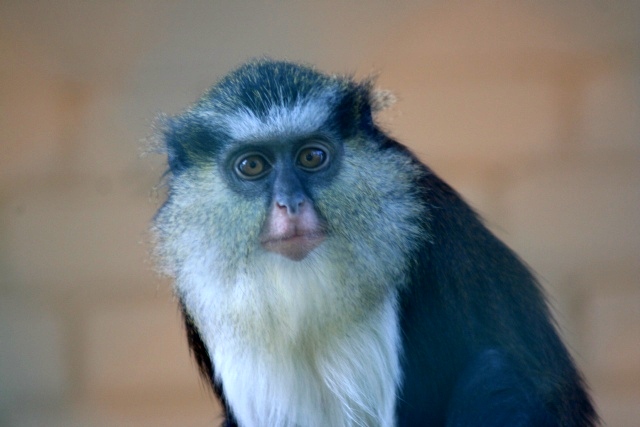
x,y
293,350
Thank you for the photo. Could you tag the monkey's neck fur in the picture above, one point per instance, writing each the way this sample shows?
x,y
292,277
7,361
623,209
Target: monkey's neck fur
x,y
299,343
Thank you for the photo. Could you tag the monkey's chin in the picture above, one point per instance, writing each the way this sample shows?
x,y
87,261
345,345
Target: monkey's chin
x,y
296,248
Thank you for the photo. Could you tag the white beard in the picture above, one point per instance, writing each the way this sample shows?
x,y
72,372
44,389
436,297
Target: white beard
x,y
294,347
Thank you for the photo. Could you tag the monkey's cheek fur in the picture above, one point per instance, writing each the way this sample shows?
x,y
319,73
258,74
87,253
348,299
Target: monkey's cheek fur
x,y
296,247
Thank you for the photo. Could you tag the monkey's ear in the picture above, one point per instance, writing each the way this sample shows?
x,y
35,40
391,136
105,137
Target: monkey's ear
x,y
175,155
381,100
165,141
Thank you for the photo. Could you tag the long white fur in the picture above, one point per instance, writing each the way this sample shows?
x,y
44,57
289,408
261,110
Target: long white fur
x,y
335,372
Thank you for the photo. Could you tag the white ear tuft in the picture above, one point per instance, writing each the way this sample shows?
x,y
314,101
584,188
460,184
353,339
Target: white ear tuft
x,y
382,99
154,143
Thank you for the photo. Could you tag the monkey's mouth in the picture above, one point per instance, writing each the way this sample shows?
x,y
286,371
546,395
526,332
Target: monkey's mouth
x,y
295,246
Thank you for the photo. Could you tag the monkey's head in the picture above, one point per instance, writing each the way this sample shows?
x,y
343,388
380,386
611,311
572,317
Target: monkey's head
x,y
280,170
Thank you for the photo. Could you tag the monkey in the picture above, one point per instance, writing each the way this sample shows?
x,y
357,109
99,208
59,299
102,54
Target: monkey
x,y
327,277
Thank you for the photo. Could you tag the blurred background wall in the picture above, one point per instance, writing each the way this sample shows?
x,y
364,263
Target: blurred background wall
x,y
530,108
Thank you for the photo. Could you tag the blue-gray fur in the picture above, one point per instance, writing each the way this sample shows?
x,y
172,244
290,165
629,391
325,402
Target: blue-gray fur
x,y
257,87
410,313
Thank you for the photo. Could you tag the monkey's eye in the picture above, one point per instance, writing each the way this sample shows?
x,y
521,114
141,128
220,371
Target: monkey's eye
x,y
312,158
252,166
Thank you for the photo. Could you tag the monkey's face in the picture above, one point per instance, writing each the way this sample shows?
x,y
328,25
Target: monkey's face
x,y
278,172
283,171
288,173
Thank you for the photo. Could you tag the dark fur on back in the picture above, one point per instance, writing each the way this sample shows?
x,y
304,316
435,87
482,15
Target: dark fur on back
x,y
475,323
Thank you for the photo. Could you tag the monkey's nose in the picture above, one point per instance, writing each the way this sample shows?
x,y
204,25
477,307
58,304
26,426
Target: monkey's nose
x,y
292,203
